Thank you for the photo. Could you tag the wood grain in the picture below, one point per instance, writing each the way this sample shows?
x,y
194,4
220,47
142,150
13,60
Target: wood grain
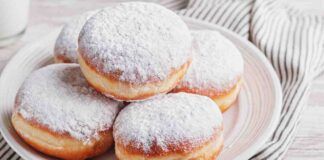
x,y
309,141
46,15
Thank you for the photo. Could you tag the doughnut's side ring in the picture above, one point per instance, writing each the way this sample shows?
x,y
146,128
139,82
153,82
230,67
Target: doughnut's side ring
x,y
57,145
129,91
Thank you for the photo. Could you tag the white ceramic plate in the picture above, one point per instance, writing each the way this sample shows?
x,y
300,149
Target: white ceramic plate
x,y
248,123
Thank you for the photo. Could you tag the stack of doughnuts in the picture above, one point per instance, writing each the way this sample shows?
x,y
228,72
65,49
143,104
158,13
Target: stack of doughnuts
x,y
135,76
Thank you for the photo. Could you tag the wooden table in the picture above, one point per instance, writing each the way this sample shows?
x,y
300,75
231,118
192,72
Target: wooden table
x,y
45,15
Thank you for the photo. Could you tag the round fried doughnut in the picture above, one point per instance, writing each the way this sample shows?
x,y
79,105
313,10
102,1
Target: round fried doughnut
x,y
134,50
216,70
66,46
170,127
59,114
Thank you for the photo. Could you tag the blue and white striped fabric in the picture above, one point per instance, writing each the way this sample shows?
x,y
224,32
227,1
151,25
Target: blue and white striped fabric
x,y
292,41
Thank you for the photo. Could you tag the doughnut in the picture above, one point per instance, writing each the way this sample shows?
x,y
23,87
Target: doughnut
x,y
216,70
170,127
59,114
66,45
134,51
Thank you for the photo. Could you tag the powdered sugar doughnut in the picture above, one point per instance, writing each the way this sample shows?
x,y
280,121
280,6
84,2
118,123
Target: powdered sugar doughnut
x,y
59,114
216,70
134,50
66,45
173,126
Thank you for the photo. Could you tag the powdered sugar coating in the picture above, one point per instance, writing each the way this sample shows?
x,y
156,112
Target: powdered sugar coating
x,y
59,98
67,42
217,63
140,42
169,119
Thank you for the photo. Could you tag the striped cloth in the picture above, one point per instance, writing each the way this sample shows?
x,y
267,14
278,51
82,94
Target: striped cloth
x,y
6,152
292,41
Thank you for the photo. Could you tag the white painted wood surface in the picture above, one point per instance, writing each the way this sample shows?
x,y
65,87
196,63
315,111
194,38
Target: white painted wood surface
x,y
309,142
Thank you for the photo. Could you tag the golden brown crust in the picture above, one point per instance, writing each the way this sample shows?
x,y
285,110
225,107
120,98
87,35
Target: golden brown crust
x,y
109,84
224,99
58,58
60,145
115,77
208,150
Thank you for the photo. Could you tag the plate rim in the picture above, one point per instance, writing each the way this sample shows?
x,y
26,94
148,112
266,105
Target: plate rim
x,y
245,154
